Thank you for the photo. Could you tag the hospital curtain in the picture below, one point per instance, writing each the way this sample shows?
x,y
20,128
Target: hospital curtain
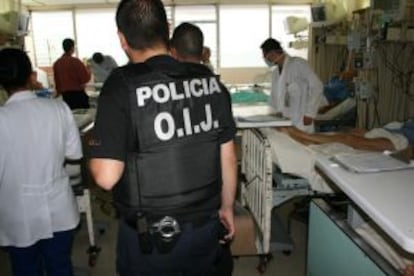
x,y
394,79
326,59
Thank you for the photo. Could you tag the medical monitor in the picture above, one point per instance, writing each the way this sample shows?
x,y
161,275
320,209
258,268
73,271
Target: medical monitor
x,y
396,10
22,26
14,23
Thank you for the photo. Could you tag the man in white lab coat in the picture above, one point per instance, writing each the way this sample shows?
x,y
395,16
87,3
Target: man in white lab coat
x,y
297,92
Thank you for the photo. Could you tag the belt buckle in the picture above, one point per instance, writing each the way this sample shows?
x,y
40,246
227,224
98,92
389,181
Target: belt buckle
x,y
167,227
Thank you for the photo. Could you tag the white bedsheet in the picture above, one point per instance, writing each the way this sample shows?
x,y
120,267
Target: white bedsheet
x,y
246,110
295,158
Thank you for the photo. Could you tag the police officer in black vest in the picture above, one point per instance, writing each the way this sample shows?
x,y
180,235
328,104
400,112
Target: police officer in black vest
x,y
163,142
186,45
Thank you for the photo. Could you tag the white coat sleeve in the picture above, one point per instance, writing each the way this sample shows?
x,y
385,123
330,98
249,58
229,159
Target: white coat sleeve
x,y
73,146
314,93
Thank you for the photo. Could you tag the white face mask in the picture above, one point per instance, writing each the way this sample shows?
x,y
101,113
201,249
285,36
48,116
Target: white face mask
x,y
268,62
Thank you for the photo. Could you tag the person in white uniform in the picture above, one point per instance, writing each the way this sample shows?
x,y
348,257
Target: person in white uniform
x,y
38,210
297,93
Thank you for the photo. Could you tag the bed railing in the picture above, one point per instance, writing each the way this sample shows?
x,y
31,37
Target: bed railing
x,y
256,188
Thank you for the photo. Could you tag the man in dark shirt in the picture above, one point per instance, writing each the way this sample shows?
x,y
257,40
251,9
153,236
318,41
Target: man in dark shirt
x,y
163,141
71,75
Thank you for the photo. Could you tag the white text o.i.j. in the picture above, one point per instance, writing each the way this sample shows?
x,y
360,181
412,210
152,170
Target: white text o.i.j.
x,y
164,123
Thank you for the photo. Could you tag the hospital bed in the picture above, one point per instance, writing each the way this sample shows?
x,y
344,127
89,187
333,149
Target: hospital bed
x,y
263,190
251,111
260,196
277,169
250,103
264,187
84,119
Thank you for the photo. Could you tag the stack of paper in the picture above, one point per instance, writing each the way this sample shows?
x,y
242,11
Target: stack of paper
x,y
369,162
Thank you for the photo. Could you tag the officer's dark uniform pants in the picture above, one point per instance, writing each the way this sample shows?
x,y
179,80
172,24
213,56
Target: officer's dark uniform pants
x,y
76,99
197,253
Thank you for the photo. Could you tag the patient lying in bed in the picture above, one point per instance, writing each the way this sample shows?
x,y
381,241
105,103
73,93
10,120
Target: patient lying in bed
x,y
398,138
295,151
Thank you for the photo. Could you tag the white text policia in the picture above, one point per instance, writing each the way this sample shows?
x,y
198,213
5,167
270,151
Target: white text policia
x,y
164,123
163,92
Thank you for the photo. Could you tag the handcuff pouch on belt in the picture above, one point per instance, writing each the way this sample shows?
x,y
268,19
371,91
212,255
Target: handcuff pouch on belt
x,y
163,234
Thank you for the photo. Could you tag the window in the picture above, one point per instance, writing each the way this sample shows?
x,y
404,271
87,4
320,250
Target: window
x,y
49,30
242,30
205,18
98,35
168,13
279,32
239,31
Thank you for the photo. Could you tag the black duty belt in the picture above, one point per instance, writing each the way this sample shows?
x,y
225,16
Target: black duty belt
x,y
164,231
195,219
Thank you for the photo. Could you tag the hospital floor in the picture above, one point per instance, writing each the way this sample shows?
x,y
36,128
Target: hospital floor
x,y
106,228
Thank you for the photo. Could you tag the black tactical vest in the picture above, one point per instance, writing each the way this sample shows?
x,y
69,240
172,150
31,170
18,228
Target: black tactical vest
x,y
174,157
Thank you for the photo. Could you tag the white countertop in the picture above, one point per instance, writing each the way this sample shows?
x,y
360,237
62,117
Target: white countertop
x,y
387,197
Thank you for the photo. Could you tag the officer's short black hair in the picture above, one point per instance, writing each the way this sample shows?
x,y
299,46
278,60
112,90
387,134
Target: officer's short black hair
x,y
15,69
271,44
188,40
143,23
97,57
68,44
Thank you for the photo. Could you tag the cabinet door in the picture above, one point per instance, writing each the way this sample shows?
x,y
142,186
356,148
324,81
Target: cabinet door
x,y
332,252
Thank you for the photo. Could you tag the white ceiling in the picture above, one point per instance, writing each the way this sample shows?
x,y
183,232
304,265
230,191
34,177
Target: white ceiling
x,y
59,4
